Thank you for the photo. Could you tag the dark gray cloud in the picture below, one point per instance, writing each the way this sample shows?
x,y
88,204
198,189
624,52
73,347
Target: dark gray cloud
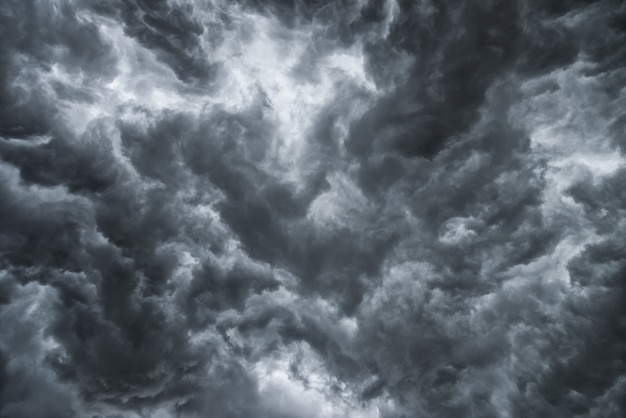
x,y
170,30
312,209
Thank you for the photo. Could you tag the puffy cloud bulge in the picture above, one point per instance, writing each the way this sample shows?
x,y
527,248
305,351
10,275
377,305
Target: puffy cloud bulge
x,y
312,208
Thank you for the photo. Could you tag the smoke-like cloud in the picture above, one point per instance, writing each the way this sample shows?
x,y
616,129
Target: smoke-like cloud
x,y
312,209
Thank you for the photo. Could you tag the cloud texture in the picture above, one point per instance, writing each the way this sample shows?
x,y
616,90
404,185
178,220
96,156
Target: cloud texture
x,y
312,209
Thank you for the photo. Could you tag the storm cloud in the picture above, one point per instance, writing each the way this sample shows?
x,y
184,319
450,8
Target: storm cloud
x,y
374,208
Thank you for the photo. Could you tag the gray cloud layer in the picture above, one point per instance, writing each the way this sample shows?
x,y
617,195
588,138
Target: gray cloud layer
x,y
312,209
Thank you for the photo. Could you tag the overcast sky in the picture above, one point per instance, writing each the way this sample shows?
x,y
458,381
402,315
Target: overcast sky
x,y
312,209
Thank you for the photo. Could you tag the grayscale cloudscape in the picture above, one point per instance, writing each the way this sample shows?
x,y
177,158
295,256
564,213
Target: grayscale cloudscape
x,y
312,209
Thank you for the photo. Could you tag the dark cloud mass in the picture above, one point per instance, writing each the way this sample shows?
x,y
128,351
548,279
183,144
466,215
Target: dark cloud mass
x,y
376,208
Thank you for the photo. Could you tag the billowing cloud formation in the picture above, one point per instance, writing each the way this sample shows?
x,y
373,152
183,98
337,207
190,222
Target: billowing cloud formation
x,y
312,209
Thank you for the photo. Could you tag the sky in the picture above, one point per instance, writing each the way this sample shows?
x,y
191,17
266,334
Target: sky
x,y
312,209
